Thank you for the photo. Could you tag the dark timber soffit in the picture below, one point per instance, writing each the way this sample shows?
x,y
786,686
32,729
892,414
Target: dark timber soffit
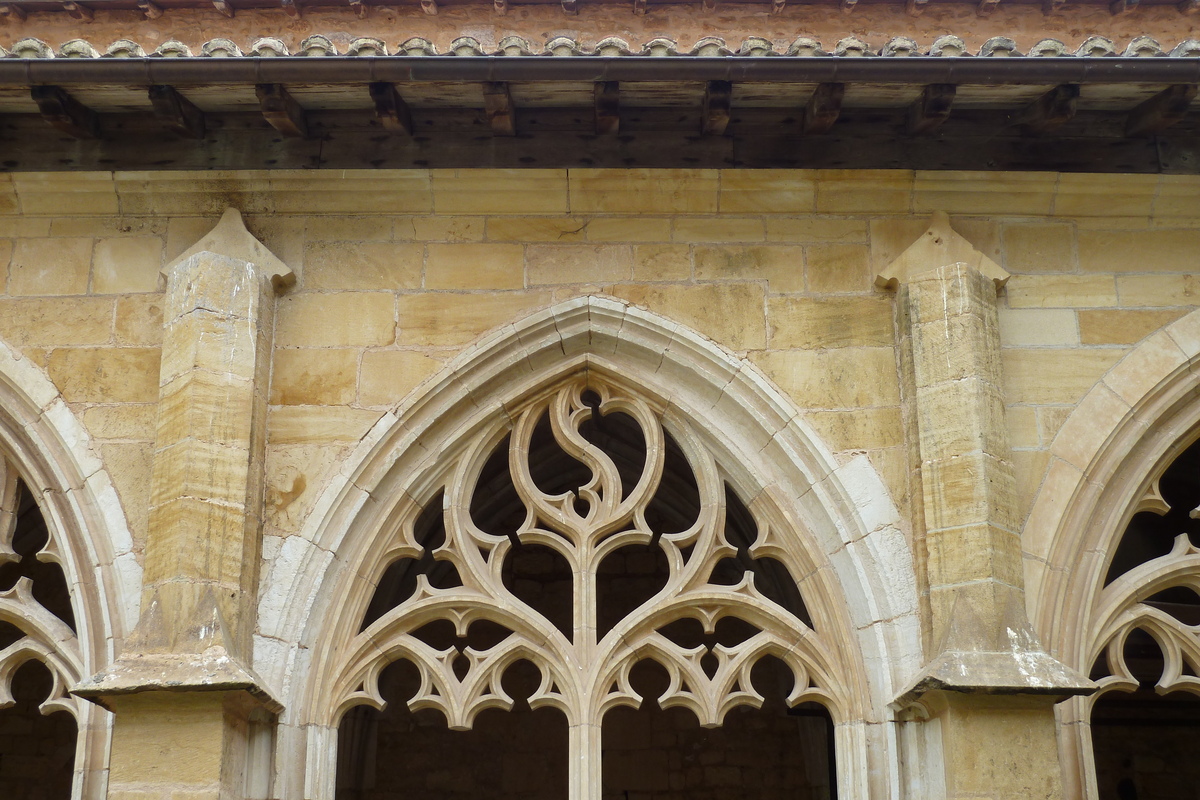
x,y
366,69
1066,113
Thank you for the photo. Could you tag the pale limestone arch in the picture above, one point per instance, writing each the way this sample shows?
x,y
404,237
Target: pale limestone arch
x,y
865,569
1104,465
48,448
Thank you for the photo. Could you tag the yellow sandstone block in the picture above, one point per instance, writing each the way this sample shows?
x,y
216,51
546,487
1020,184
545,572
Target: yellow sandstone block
x,y
55,321
1035,327
782,266
213,407
816,229
847,191
126,264
353,319
838,268
536,229
643,191
1061,291
976,192
318,424
1157,250
105,374
362,265
731,313
386,376
1120,326
183,232
1048,247
499,191
861,429
475,266
830,322
1084,195
6,251
1054,375
767,191
314,377
442,319
1050,419
129,466
440,229
1023,426
1158,290
662,262
139,319
177,741
718,229
126,421
845,378
348,229
50,266
627,229
548,264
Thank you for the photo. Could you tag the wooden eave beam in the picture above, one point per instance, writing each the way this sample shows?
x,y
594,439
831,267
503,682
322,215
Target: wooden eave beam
x,y
498,104
1161,111
608,107
500,6
430,7
847,5
639,7
281,110
360,8
390,108
290,8
78,12
150,10
914,8
823,108
777,6
178,113
931,109
1049,111
224,7
718,97
1119,7
1189,7
12,11
65,113
570,6
987,7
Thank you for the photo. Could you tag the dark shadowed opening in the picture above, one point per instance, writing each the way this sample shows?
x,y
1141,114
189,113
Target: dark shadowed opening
x,y
37,752
772,753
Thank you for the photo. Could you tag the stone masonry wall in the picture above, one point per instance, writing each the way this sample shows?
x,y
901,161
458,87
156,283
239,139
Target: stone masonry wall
x,y
397,271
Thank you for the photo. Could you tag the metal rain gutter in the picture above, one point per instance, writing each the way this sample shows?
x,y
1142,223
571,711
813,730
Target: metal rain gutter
x,y
778,69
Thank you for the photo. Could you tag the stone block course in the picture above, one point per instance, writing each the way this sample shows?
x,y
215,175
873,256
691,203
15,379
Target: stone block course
x,y
361,265
353,319
474,266
50,266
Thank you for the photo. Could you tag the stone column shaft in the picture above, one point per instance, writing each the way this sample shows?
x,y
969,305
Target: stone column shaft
x,y
987,682
183,691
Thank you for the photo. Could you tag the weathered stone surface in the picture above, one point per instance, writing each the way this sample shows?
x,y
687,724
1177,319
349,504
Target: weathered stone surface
x,y
50,266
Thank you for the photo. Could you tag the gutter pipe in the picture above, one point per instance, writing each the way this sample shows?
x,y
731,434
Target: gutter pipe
x,y
587,69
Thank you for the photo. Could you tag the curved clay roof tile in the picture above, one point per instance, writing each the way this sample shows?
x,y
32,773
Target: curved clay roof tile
x,y
757,47
416,46
1188,48
948,46
77,48
999,47
1096,46
367,46
806,48
1143,47
612,46
710,46
269,47
124,48
466,46
899,47
220,48
1048,48
852,47
173,49
513,46
659,47
31,48
317,45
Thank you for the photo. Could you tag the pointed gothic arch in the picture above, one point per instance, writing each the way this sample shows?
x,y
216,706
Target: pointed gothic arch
x,y
838,514
1105,466
44,447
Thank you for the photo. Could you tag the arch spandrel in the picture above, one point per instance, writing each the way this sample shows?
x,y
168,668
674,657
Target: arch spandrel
x,y
858,566
1105,463
44,444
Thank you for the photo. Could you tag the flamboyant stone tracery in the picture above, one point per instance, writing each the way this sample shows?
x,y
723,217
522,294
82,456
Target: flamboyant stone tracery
x,y
586,532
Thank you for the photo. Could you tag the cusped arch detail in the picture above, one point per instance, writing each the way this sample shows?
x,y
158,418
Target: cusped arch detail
x,y
43,444
1103,467
842,507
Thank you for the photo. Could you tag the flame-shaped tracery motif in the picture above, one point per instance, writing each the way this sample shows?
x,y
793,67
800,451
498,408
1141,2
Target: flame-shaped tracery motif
x,y
584,533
